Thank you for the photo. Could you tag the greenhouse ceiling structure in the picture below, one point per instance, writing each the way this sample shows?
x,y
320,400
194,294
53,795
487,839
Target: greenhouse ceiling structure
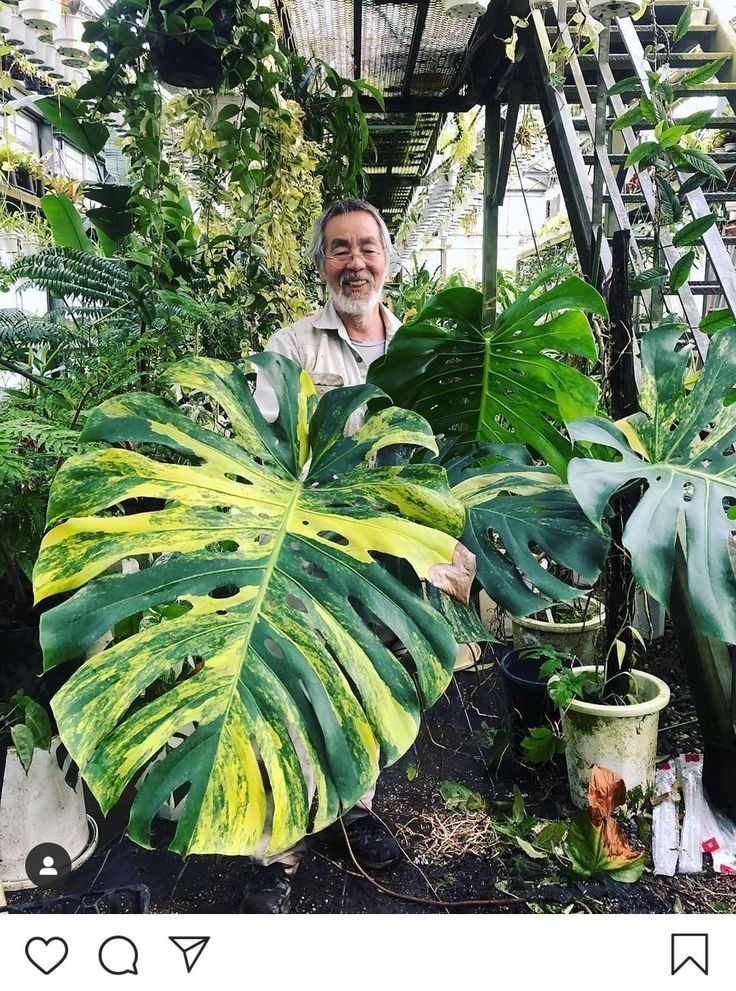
x,y
425,63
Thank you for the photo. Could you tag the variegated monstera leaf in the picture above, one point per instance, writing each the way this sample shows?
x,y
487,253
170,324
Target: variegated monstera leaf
x,y
515,509
681,445
271,534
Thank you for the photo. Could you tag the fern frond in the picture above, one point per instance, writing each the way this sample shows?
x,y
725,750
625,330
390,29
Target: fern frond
x,y
84,279
28,328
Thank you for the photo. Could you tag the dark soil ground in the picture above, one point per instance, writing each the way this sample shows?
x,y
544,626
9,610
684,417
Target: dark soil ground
x,y
453,855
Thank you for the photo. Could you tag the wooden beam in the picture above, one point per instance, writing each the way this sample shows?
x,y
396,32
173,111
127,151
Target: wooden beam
x,y
357,39
418,104
416,42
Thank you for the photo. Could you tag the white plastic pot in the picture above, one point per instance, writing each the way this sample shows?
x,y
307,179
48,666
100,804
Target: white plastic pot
x,y
15,35
698,16
41,15
68,38
578,639
622,738
40,807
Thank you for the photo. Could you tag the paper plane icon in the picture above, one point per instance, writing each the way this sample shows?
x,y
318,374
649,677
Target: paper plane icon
x,y
192,947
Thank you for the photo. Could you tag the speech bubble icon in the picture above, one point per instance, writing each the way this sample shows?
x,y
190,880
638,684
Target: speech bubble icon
x,y
119,955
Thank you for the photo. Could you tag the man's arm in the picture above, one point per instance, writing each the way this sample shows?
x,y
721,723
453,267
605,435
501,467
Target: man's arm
x,y
282,342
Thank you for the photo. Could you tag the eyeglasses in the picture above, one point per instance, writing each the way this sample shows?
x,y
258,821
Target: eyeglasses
x,y
342,255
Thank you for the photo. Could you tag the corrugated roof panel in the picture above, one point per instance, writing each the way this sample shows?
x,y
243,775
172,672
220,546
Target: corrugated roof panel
x,y
324,29
444,43
387,32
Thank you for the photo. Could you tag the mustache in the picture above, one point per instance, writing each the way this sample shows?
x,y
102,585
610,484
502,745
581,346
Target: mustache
x,y
346,279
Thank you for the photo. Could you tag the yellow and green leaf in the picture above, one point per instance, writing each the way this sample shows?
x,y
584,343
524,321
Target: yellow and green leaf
x,y
270,541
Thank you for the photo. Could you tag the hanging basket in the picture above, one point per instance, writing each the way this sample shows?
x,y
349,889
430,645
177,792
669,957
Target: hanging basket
x,y
68,38
41,15
190,62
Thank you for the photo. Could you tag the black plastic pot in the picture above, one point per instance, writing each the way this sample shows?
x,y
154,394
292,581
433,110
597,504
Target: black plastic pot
x,y
525,689
191,62
24,180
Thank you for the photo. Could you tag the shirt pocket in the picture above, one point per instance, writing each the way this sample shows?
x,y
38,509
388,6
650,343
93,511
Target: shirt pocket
x,y
325,381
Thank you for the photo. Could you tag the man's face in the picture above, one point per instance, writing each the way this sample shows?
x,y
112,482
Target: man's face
x,y
356,264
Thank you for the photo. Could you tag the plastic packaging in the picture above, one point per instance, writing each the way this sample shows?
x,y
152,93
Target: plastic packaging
x,y
665,822
690,767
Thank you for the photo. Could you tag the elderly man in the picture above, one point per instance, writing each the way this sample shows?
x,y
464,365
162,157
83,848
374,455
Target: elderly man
x,y
351,250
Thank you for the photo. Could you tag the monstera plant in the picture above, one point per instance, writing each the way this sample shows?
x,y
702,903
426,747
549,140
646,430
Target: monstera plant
x,y
514,509
270,535
677,453
505,383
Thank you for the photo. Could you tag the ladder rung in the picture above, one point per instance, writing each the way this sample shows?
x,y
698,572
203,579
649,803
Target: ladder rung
x,y
648,28
720,157
706,288
617,59
719,197
648,242
681,92
715,122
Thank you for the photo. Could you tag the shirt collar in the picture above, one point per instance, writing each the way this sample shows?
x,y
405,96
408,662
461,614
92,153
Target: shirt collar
x,y
327,318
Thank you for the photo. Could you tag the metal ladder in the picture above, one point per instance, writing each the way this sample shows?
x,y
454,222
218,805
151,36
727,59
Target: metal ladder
x,y
563,129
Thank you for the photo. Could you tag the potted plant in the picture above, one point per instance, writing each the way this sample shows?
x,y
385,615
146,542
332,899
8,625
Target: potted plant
x,y
674,457
573,628
616,732
525,683
41,799
68,37
42,15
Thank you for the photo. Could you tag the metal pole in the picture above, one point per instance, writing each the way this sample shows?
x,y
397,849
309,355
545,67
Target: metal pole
x,y
601,106
490,212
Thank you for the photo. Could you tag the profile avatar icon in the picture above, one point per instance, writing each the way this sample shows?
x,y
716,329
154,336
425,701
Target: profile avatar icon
x,y
48,869
48,865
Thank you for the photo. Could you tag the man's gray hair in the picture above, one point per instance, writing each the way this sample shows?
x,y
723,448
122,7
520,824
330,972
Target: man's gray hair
x,y
316,248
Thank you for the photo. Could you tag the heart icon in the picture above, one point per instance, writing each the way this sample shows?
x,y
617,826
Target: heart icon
x,y
47,954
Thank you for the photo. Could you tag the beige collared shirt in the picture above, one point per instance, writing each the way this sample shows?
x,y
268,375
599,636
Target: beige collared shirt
x,y
320,344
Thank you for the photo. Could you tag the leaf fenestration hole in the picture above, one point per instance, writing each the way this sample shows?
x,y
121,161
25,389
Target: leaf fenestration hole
x,y
295,603
224,592
273,648
335,538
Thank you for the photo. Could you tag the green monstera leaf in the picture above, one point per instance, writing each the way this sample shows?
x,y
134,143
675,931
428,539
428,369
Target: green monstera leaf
x,y
504,384
681,445
270,582
513,510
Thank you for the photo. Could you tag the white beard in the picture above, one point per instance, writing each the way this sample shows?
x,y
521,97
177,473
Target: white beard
x,y
355,306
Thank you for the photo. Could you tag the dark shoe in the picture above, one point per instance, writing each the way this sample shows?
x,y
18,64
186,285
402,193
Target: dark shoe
x,y
371,843
267,891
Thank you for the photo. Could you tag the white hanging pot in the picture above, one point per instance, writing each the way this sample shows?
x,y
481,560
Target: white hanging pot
x,y
42,15
17,33
6,19
78,60
40,807
68,38
622,738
